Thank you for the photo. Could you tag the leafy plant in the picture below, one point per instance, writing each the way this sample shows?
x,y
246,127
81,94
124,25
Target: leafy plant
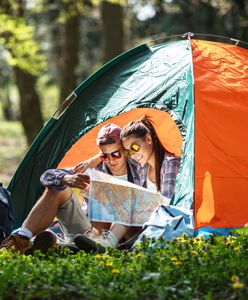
x,y
18,39
184,268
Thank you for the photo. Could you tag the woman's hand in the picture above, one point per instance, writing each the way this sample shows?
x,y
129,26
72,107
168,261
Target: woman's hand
x,y
78,180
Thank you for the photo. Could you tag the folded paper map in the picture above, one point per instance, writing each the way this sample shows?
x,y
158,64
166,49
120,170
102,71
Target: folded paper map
x,y
119,201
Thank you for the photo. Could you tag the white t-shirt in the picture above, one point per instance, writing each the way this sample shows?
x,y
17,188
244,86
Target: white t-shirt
x,y
122,177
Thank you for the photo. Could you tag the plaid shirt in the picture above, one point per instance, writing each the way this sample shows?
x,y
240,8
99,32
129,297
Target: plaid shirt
x,y
168,173
52,177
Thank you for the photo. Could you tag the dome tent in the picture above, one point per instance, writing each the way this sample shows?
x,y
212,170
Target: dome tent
x,y
194,89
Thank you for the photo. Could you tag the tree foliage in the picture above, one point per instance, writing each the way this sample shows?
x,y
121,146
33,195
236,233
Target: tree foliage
x,y
77,37
18,38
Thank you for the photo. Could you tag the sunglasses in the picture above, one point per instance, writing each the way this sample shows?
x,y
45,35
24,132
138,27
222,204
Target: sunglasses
x,y
115,155
133,149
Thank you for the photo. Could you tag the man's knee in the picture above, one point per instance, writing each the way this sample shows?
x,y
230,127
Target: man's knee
x,y
58,196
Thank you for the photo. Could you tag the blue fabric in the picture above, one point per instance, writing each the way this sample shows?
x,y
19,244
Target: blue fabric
x,y
171,222
207,231
168,222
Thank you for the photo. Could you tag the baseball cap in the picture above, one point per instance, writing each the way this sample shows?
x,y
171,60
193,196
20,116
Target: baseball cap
x,y
109,131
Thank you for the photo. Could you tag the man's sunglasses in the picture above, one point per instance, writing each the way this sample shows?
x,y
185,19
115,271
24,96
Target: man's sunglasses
x,y
115,155
133,149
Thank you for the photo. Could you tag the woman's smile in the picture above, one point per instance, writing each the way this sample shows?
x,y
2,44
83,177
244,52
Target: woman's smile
x,y
138,157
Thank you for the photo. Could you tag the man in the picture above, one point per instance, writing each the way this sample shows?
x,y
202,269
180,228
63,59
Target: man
x,y
59,200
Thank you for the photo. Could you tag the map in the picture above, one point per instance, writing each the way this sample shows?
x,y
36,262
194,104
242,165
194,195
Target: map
x,y
119,201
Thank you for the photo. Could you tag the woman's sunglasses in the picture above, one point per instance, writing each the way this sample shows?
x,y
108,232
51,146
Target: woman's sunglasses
x,y
115,155
133,149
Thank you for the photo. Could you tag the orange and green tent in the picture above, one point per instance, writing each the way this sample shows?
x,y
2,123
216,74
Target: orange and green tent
x,y
194,88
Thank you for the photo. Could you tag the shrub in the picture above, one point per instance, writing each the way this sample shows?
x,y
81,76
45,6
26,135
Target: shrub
x,y
184,268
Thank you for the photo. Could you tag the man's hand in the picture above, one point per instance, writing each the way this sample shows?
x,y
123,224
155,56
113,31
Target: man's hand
x,y
78,180
86,164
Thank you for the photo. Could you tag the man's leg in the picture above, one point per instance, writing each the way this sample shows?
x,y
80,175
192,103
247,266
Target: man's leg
x,y
39,218
45,210
72,219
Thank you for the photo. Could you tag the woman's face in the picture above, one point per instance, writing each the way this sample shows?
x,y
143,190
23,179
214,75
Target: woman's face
x,y
141,149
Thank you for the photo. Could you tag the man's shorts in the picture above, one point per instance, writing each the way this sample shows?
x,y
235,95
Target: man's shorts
x,y
72,219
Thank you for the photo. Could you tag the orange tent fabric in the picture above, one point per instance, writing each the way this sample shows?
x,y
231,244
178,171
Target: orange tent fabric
x,y
221,124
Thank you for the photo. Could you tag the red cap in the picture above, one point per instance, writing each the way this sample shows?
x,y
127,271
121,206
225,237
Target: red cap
x,y
111,131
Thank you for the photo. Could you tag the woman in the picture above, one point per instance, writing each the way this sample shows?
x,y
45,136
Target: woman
x,y
158,170
158,167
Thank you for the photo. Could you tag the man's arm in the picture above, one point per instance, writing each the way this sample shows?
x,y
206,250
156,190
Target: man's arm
x,y
90,163
59,179
52,178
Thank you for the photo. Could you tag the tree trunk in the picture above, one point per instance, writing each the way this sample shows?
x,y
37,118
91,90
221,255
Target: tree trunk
x,y
239,13
113,34
30,111
55,40
31,116
70,57
8,113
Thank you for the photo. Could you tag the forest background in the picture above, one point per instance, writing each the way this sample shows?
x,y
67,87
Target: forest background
x,y
47,47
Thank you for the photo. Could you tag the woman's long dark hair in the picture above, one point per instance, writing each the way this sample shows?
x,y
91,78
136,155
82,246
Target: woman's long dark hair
x,y
139,129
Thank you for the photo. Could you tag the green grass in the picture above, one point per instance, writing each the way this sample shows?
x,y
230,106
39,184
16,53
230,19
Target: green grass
x,y
184,268
12,150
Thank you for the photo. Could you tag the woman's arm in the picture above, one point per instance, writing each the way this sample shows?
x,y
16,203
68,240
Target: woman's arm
x,y
169,170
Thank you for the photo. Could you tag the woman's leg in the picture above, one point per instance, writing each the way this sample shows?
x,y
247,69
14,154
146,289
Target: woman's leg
x,y
100,226
119,230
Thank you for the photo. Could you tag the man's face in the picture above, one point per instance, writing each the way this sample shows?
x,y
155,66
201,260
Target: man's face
x,y
113,156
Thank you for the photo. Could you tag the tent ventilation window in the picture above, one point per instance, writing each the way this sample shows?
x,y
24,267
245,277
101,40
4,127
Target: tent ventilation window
x,y
62,108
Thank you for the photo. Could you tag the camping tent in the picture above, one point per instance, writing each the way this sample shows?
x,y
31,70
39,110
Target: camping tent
x,y
194,88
